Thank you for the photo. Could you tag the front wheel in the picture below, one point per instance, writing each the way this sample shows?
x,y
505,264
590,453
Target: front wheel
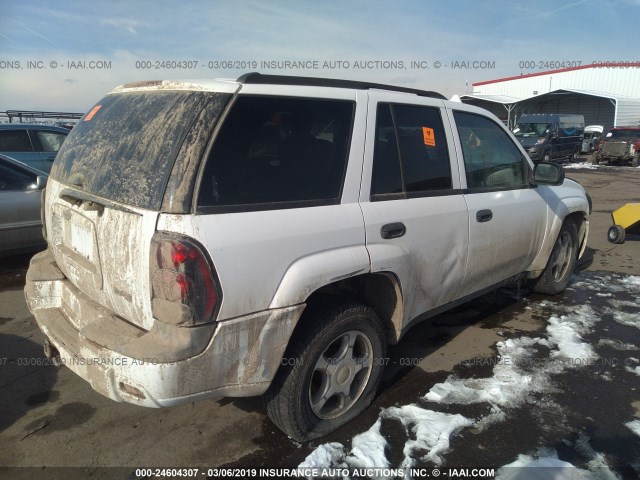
x,y
555,277
331,373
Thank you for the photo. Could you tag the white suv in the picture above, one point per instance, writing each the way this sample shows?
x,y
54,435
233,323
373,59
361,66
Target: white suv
x,y
271,235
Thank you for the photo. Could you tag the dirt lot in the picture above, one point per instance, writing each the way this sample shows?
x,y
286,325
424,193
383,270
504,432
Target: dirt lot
x,y
51,418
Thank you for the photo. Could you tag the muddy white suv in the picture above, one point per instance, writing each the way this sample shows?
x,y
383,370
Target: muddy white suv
x,y
272,235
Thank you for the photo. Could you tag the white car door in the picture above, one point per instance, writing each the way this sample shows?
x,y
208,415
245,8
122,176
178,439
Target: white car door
x,y
507,215
415,215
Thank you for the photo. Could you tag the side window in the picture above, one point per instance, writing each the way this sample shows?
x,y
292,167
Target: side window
x,y
13,178
50,141
410,157
277,152
15,141
491,159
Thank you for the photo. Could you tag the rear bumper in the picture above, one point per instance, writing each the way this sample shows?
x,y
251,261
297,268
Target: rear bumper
x,y
155,368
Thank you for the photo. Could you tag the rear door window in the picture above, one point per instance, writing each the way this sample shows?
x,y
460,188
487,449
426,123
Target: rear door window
x,y
13,178
278,152
411,157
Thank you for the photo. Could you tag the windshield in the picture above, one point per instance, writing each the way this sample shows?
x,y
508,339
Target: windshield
x,y
125,147
588,135
531,129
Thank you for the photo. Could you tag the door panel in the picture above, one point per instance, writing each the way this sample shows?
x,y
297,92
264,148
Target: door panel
x,y
416,218
507,217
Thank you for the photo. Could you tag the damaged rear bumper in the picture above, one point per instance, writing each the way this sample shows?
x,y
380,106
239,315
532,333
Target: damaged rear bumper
x,y
166,365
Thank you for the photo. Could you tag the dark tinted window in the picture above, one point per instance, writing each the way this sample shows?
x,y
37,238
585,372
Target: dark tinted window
x,y
410,155
277,152
14,178
15,141
491,158
125,148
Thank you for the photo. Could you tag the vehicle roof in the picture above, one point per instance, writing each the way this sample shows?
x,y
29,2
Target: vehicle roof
x,y
22,165
231,86
32,126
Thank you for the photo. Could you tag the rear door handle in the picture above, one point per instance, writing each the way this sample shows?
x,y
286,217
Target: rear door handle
x,y
393,230
484,215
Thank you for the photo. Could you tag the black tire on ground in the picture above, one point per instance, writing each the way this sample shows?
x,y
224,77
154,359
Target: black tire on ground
x,y
576,153
330,372
562,261
616,234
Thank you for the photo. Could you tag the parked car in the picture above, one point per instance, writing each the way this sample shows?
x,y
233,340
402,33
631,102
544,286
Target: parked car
x,y
591,138
20,192
35,145
272,235
620,144
547,136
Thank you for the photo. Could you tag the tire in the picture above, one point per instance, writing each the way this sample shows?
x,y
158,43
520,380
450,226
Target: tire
x,y
576,153
342,346
555,277
616,234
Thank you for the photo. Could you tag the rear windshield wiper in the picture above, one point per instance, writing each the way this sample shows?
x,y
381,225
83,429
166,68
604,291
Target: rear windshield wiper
x,y
76,197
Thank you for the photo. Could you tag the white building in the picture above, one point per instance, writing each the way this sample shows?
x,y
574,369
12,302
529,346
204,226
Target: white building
x,y
606,95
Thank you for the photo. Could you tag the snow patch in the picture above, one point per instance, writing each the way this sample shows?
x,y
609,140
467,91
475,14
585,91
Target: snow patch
x,y
634,426
325,456
430,429
544,464
367,449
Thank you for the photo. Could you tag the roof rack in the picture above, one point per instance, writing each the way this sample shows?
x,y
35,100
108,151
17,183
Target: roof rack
x,y
260,79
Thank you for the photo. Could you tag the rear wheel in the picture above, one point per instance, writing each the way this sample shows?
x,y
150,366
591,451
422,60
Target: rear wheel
x,y
555,277
616,234
331,371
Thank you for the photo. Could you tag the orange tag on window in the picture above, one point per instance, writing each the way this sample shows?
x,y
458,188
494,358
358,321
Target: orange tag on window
x,y
429,137
93,111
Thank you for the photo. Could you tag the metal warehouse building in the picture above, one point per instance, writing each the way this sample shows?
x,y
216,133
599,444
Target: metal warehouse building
x,y
606,95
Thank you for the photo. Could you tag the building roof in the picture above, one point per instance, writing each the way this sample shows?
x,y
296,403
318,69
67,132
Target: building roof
x,y
548,72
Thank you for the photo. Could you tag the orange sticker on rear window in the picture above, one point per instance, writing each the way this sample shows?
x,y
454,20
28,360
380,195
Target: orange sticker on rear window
x,y
429,137
93,111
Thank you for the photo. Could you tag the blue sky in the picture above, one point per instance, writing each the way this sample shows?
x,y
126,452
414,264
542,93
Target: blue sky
x,y
124,32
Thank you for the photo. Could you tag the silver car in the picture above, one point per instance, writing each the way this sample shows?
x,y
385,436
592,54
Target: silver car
x,y
20,193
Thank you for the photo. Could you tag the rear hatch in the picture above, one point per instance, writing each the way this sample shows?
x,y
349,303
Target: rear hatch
x,y
108,184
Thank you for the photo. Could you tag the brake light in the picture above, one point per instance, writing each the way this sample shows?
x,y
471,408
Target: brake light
x,y
184,287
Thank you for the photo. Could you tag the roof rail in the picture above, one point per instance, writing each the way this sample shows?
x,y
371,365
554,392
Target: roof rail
x,y
260,79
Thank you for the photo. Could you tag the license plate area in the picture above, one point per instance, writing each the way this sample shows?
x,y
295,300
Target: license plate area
x,y
74,237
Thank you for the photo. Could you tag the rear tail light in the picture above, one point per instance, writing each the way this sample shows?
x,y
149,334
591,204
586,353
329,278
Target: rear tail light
x,y
185,290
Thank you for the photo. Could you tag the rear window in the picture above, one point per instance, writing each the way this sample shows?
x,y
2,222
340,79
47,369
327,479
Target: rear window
x,y
278,152
125,147
15,141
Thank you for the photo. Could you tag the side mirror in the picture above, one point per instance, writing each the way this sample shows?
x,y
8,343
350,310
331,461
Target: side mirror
x,y
546,173
41,182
